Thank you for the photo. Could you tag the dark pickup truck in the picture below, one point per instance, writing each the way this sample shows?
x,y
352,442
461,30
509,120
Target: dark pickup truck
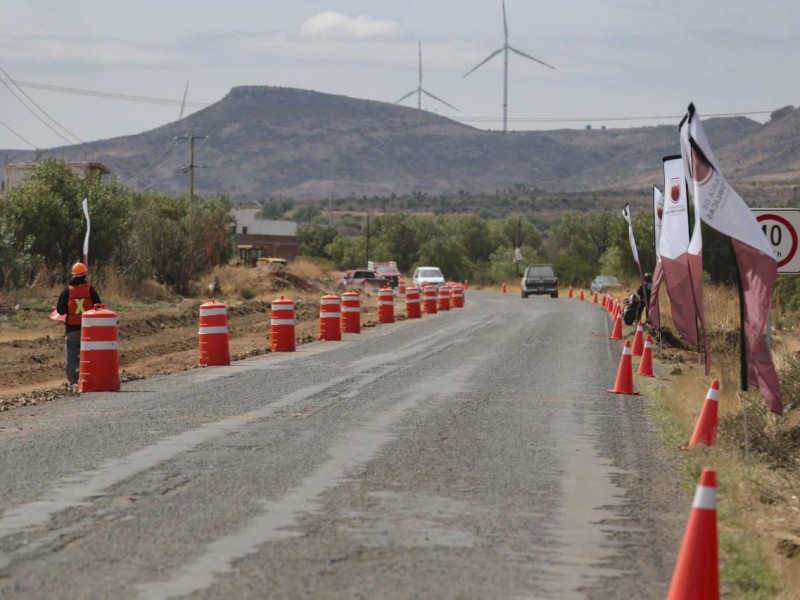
x,y
539,279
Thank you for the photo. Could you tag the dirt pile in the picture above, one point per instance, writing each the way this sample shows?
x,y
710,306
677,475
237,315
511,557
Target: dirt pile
x,y
32,356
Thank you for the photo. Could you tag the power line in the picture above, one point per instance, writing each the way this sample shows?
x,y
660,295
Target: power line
x,y
599,119
18,135
43,111
35,114
108,95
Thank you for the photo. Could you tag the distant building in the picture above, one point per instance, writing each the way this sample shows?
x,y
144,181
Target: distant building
x,y
275,238
14,173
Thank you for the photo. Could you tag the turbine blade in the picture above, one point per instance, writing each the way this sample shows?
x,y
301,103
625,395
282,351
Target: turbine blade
x,y
406,96
521,53
484,61
439,99
505,23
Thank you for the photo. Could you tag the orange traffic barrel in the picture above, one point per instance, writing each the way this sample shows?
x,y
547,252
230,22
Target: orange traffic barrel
x,y
413,308
329,318
99,362
351,312
385,305
429,299
444,297
457,295
281,326
213,335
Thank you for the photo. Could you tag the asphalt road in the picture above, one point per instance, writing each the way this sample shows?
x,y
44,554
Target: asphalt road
x,y
470,454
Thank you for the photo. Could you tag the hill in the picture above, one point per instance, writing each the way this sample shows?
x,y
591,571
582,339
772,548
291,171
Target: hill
x,y
275,142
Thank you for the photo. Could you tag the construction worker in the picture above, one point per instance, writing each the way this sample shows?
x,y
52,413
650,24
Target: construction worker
x,y
76,298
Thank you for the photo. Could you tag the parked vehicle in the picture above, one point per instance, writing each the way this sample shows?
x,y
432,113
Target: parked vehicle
x,y
362,278
386,270
604,283
428,276
539,279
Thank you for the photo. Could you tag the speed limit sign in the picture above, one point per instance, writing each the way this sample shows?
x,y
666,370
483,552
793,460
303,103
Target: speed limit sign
x,y
781,227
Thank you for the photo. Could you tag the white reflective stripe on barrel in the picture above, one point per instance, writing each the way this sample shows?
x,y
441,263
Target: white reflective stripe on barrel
x,y
329,315
351,309
281,322
210,312
283,306
386,303
325,301
98,345
101,322
210,330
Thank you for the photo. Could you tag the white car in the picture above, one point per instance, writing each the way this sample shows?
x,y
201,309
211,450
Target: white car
x,y
427,276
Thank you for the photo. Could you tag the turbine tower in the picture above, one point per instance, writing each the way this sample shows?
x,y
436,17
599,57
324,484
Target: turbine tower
x,y
505,50
419,91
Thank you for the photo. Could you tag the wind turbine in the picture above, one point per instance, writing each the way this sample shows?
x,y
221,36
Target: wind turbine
x,y
419,91
505,50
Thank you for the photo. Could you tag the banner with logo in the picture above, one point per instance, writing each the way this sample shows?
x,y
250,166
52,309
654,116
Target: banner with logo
x,y
723,209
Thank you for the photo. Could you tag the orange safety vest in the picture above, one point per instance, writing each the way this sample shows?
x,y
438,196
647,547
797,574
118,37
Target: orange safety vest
x,y
80,300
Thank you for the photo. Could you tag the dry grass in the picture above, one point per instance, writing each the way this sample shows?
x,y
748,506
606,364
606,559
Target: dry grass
x,y
758,490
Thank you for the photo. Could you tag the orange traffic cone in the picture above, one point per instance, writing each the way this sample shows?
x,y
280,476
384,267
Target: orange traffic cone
x,y
696,574
638,340
624,382
646,364
705,430
582,298
617,309
569,293
594,298
616,333
504,287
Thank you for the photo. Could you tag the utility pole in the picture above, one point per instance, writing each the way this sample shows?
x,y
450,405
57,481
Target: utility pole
x,y
191,166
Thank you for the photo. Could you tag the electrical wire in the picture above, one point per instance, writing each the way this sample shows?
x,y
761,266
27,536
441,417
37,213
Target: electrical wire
x,y
474,119
159,158
109,95
18,135
43,111
35,114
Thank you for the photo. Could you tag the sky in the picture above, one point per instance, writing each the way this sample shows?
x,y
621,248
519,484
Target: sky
x,y
617,63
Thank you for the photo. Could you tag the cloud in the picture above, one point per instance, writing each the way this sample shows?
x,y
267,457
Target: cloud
x,y
334,24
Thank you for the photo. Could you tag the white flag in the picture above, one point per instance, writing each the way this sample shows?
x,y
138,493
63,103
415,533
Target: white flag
x,y
88,227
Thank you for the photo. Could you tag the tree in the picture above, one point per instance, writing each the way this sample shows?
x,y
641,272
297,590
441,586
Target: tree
x,y
44,213
315,239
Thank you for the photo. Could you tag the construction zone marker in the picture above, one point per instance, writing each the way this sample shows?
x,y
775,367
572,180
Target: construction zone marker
x,y
705,430
624,381
696,573
646,364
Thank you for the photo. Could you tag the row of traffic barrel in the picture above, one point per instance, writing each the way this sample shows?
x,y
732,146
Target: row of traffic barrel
x,y
99,362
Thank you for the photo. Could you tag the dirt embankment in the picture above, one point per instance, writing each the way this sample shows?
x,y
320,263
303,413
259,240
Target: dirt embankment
x,y
32,359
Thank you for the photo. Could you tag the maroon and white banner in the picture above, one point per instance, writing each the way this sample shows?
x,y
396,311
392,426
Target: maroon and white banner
x,y
673,246
654,312
723,209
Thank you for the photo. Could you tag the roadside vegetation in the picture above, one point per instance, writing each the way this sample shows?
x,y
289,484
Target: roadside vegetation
x,y
757,454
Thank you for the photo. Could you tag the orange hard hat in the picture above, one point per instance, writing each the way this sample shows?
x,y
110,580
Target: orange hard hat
x,y
79,269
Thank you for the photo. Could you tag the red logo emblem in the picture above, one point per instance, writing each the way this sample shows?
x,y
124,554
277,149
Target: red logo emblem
x,y
675,189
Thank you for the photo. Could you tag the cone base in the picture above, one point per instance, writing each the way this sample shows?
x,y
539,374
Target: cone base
x,y
632,393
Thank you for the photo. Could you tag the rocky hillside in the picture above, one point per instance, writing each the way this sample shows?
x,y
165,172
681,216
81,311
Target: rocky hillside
x,y
275,142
